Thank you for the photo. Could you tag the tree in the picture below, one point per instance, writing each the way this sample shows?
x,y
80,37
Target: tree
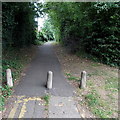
x,y
19,26
92,27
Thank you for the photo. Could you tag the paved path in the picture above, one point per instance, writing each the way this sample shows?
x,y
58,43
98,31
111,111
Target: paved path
x,y
27,107
63,107
28,93
33,84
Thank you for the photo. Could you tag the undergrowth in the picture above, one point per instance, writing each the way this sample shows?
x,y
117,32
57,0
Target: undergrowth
x,y
15,60
71,77
97,105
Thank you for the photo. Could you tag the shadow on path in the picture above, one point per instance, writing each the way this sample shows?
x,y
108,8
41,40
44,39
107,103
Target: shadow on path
x,y
27,101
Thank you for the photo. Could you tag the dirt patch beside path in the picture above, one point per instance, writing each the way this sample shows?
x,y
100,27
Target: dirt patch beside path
x,y
100,98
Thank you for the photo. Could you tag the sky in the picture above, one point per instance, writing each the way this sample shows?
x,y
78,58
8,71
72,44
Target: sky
x,y
39,19
40,22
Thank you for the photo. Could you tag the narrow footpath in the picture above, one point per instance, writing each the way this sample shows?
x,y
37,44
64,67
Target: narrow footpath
x,y
32,87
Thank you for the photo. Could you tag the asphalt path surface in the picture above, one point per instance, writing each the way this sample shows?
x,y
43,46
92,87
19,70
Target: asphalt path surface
x,y
34,81
27,102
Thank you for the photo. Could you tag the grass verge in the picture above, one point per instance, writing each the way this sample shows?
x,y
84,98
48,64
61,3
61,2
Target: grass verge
x,y
97,105
101,94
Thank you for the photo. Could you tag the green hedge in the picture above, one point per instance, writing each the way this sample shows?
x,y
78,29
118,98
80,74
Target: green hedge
x,y
18,24
104,40
92,27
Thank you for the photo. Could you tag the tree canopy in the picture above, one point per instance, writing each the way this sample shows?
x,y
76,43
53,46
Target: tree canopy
x,y
92,26
19,25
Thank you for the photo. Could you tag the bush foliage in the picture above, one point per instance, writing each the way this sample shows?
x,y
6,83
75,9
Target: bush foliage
x,y
92,27
19,26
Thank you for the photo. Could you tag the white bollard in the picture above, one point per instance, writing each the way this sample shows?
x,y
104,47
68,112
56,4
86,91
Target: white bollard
x,y
9,78
83,80
49,79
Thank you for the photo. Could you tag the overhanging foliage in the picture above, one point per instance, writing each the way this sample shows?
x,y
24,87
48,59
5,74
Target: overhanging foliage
x,y
92,27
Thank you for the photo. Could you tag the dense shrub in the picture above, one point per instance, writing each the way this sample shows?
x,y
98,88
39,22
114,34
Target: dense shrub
x,y
92,27
104,40
19,25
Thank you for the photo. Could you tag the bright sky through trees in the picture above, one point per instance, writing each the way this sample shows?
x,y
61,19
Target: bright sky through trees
x,y
40,22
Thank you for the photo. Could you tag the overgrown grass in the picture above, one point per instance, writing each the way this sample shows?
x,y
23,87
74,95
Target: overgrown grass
x,y
98,106
15,60
94,101
92,98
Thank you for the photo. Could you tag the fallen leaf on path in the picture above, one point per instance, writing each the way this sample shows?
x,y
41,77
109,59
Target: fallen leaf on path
x,y
59,105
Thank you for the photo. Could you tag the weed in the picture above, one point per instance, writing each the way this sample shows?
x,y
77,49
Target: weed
x,y
6,91
46,98
2,100
101,112
92,98
68,74
70,77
